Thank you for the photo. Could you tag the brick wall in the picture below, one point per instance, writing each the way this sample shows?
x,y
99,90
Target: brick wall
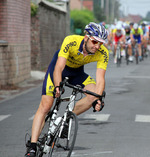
x,y
15,29
49,28
3,21
75,4
35,43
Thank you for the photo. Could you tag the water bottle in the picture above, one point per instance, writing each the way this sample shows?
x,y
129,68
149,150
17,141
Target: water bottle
x,y
54,126
53,118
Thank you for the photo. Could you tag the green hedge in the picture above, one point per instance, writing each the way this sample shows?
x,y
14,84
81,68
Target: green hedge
x,y
34,9
80,19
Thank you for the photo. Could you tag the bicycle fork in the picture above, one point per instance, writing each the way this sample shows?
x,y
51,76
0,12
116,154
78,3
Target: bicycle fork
x,y
51,130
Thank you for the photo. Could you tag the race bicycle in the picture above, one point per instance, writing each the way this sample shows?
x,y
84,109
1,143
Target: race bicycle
x,y
118,54
126,53
136,51
58,136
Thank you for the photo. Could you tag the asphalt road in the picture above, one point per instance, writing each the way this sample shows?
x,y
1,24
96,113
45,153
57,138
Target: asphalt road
x,y
120,130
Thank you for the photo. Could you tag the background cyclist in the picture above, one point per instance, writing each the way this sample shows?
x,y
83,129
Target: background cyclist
x,y
131,25
145,37
69,61
137,33
128,42
118,36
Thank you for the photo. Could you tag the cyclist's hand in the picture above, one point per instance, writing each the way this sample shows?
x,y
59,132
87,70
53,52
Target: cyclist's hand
x,y
56,92
97,105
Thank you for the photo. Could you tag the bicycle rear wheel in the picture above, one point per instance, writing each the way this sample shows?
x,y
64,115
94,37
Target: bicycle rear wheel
x,y
63,147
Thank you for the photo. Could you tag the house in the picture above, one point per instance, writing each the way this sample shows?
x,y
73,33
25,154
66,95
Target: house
x,y
81,4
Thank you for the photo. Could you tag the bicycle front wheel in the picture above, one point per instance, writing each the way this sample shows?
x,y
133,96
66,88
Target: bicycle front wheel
x,y
43,137
118,53
127,55
137,56
63,146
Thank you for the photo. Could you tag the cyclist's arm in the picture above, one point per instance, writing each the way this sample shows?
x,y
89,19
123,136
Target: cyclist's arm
x,y
123,38
100,81
100,86
147,33
113,37
123,35
61,61
141,34
57,75
141,37
131,37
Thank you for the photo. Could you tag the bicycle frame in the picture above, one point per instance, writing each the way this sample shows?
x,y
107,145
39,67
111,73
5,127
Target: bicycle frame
x,y
69,107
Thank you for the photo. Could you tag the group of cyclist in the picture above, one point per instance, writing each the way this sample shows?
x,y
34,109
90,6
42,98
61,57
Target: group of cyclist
x,y
129,34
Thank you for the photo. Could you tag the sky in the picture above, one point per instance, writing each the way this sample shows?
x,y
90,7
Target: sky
x,y
140,7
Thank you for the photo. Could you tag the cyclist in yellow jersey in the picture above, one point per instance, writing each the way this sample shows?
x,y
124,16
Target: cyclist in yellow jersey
x,y
145,29
69,61
137,34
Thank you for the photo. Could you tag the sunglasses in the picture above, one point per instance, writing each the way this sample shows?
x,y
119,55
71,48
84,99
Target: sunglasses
x,y
95,42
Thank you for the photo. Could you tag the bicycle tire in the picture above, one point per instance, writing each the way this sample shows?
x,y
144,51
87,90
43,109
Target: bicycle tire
x,y
136,56
62,147
127,55
118,57
43,137
143,52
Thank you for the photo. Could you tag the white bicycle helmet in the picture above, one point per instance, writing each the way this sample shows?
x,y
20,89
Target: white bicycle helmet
x,y
118,26
135,26
98,31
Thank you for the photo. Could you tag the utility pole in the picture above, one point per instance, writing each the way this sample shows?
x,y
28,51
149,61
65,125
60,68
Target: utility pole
x,y
112,11
102,4
81,4
107,11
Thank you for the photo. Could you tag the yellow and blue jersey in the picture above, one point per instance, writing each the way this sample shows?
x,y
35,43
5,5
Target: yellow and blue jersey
x,y
71,49
138,33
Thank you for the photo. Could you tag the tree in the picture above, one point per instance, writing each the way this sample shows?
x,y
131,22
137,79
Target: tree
x,y
80,19
34,9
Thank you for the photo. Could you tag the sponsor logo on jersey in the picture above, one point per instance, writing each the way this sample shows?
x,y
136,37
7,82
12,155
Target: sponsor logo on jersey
x,y
74,43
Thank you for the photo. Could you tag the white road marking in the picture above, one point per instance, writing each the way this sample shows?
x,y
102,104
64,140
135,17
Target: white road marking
x,y
31,118
140,77
96,153
142,118
98,117
2,117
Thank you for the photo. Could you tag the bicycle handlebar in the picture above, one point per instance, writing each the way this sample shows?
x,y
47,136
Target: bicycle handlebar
x,y
80,89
